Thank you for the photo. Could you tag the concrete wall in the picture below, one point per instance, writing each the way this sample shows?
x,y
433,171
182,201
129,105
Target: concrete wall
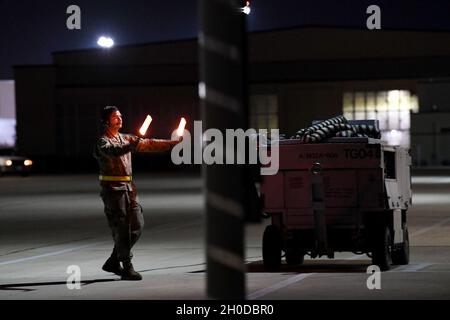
x,y
35,110
296,44
430,138
434,95
163,53
78,113
345,44
307,69
430,129
301,103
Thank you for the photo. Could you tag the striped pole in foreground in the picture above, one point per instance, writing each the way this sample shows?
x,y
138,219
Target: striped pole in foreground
x,y
222,91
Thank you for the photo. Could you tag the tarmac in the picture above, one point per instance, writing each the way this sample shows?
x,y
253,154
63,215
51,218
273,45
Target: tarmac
x,y
48,224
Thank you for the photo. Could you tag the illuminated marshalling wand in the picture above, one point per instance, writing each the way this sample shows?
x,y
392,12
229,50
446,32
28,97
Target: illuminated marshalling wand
x,y
247,9
181,127
145,126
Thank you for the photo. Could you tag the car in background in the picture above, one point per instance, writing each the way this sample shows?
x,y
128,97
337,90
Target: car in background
x,y
14,164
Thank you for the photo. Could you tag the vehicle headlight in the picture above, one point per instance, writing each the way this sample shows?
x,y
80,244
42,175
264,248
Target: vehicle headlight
x,y
28,163
8,163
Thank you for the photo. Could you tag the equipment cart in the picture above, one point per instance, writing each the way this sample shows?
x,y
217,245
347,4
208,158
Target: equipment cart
x,y
343,194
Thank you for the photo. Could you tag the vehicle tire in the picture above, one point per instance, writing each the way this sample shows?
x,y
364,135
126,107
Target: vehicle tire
x,y
382,248
294,257
401,254
272,245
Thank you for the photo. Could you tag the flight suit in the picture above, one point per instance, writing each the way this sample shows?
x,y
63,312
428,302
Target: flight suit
x,y
119,195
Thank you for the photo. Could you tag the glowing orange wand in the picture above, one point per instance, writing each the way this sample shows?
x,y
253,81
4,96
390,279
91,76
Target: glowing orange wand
x,y
181,127
145,126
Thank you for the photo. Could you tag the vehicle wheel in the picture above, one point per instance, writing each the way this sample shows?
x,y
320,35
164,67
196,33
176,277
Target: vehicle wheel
x,y
382,248
271,249
400,255
294,257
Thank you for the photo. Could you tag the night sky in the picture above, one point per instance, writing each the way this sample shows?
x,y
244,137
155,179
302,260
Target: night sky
x,y
31,29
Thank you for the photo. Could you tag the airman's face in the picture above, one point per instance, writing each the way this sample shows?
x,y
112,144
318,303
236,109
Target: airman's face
x,y
115,120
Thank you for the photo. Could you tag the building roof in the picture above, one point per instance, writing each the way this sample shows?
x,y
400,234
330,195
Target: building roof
x,y
282,55
288,44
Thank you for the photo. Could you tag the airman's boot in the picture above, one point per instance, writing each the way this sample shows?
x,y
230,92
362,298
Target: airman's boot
x,y
129,273
113,265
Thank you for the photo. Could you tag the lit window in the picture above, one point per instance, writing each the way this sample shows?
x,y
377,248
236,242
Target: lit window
x,y
391,108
